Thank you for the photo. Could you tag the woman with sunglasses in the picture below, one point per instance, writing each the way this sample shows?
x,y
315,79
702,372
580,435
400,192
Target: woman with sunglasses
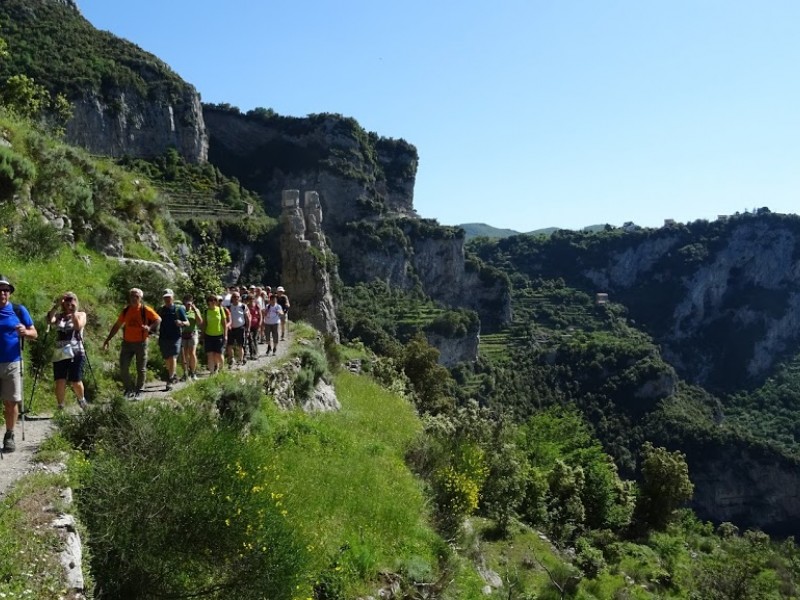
x,y
70,354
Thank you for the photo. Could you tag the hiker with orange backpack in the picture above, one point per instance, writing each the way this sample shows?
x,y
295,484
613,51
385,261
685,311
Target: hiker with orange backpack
x,y
138,321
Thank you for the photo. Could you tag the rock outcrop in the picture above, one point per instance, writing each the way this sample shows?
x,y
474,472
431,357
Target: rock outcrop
x,y
127,123
750,486
365,188
305,266
724,313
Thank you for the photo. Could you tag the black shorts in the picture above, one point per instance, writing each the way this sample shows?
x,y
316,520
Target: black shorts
x,y
71,370
213,343
236,337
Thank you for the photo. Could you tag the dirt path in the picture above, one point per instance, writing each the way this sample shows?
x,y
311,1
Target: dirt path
x,y
16,464
157,389
39,427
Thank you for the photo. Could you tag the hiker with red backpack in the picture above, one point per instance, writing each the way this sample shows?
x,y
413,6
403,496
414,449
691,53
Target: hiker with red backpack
x,y
16,325
138,321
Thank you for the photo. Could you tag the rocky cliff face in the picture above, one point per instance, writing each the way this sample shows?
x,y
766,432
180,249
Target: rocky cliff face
x,y
749,486
124,122
303,254
725,309
365,185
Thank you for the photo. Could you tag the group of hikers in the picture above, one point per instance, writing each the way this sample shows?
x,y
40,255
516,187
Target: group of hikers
x,y
230,326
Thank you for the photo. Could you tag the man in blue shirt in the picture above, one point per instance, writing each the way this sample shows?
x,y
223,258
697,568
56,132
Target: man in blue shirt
x,y
15,325
173,318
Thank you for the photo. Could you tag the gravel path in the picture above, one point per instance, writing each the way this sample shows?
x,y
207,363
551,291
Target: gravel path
x,y
16,464
39,427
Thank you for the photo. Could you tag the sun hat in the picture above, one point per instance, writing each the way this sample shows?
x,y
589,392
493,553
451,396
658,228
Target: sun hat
x,y
168,292
136,291
4,280
280,289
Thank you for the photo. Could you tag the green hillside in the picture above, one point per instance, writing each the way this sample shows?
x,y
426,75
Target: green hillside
x,y
560,463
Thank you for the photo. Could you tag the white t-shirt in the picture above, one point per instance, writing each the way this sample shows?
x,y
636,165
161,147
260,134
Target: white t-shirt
x,y
238,315
272,314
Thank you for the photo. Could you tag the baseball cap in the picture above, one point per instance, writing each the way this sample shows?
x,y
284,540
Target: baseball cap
x,y
280,289
4,281
168,292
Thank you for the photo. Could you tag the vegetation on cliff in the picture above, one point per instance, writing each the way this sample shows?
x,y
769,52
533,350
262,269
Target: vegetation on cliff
x,y
536,465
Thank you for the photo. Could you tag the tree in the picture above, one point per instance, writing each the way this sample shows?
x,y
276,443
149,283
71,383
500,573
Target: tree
x,y
428,378
207,263
665,486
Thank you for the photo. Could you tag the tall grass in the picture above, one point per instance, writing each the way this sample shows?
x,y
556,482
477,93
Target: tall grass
x,y
28,566
347,486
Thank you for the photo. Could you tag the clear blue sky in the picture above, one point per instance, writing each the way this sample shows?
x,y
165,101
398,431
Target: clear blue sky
x,y
525,113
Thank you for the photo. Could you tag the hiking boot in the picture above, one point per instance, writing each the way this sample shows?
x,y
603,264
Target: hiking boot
x,y
268,349
83,404
138,395
168,387
282,338
9,445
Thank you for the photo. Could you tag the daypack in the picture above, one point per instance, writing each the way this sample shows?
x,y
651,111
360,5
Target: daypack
x,y
125,312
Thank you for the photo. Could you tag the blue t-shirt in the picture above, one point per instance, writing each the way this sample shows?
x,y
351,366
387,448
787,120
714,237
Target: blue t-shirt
x,y
9,338
169,314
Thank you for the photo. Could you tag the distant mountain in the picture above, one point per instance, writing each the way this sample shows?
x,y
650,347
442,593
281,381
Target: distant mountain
x,y
474,230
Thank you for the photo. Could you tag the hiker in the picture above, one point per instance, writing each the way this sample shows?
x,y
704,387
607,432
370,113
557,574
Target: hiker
x,y
173,319
189,338
15,326
70,354
283,301
272,320
239,330
215,332
255,326
138,322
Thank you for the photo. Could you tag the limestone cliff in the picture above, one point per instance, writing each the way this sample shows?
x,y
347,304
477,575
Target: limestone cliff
x,y
305,271
125,101
124,122
365,185
747,485
724,305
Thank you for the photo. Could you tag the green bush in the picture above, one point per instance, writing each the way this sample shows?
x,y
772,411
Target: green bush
x,y
176,507
150,280
15,172
313,368
36,239
238,402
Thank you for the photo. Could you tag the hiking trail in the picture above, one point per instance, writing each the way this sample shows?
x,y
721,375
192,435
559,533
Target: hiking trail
x,y
38,427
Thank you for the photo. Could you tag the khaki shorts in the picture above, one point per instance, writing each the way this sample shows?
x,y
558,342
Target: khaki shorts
x,y
11,382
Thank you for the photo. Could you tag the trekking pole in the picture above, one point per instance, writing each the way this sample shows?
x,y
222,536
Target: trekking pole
x,y
33,387
21,375
89,364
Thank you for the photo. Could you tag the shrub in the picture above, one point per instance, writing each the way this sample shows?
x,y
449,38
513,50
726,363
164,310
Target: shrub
x,y
313,368
178,508
36,239
237,401
149,279
15,172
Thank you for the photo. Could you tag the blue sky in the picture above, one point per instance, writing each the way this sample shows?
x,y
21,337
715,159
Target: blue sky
x,y
526,114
